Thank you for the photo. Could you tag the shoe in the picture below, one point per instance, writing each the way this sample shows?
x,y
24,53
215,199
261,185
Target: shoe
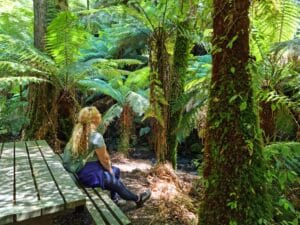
x,y
143,197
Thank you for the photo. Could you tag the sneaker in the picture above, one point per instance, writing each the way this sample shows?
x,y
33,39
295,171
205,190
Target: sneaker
x,y
143,197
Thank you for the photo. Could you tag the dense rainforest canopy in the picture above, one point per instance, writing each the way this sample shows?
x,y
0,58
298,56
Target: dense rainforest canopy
x,y
217,81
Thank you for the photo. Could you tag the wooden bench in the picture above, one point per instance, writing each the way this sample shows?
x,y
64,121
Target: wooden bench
x,y
34,184
100,206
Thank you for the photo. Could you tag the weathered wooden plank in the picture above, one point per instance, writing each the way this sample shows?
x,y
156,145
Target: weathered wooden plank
x,y
27,200
51,200
72,194
101,207
122,218
95,214
7,183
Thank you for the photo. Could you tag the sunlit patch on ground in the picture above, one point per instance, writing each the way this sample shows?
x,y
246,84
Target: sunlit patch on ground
x,y
171,202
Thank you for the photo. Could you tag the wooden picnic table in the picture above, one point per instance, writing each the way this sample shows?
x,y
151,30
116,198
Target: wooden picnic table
x,y
34,184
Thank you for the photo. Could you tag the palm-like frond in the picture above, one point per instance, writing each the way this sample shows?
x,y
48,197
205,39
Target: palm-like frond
x,y
138,79
280,21
101,86
7,81
16,14
109,116
65,38
137,102
17,69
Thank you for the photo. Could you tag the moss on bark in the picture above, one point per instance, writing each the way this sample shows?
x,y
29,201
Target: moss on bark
x,y
234,169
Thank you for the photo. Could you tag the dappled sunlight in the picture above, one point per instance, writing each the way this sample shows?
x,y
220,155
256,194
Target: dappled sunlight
x,y
171,191
129,165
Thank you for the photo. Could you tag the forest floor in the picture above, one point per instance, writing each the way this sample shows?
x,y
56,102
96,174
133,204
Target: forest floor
x,y
175,195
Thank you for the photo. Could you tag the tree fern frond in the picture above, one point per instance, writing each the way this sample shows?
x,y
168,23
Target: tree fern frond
x,y
103,87
109,116
7,81
65,37
137,102
280,21
189,121
138,79
14,68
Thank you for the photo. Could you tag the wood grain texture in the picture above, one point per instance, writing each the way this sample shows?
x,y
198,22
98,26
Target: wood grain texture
x,y
7,183
73,196
51,200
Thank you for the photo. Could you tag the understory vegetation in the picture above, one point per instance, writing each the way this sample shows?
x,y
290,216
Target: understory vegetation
x,y
177,78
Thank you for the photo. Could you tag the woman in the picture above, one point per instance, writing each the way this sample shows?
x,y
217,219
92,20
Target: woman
x,y
87,157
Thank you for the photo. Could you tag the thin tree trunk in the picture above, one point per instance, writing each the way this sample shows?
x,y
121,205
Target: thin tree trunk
x,y
160,93
234,168
126,121
180,65
40,23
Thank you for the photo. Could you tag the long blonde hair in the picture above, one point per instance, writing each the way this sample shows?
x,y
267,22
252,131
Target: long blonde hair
x,y
87,117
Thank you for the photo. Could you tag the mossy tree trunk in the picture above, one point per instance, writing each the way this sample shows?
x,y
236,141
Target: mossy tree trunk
x,y
160,93
126,123
234,170
180,65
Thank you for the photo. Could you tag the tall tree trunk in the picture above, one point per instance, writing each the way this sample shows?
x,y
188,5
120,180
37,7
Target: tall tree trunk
x,y
40,23
43,97
180,65
160,92
234,169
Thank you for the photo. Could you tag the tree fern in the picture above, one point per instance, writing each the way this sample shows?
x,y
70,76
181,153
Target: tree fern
x,y
65,38
101,86
273,21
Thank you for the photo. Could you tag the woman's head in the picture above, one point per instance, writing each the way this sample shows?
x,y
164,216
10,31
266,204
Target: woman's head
x,y
89,115
88,119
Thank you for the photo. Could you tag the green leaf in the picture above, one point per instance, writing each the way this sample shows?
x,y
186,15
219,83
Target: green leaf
x,y
243,106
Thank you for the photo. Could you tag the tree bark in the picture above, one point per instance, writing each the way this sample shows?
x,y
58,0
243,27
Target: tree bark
x,y
234,169
126,121
43,98
40,23
160,93
180,65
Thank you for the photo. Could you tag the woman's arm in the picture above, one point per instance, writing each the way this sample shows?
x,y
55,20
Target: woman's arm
x,y
104,158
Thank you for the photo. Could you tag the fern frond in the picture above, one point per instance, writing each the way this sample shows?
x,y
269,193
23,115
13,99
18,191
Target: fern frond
x,y
7,81
65,37
101,86
13,68
138,79
137,102
280,21
109,116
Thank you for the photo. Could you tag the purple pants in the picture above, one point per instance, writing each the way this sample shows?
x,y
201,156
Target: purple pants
x,y
94,175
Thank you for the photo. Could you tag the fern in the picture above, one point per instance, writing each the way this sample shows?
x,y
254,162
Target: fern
x,y
103,87
280,21
137,102
65,38
138,79
109,116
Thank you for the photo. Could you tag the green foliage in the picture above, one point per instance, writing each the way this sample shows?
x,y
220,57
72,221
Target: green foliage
x,y
283,177
280,21
15,15
195,96
12,107
65,38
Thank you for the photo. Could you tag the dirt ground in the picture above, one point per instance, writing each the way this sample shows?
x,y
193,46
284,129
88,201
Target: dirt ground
x,y
174,200
175,195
